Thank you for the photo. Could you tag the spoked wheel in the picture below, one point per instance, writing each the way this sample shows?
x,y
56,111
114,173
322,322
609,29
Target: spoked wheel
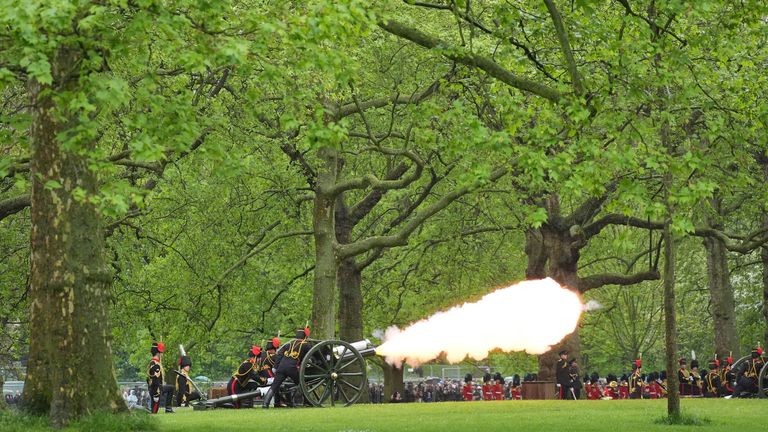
x,y
762,382
738,363
333,372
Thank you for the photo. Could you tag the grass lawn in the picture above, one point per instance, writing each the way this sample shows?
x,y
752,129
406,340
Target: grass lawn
x,y
621,416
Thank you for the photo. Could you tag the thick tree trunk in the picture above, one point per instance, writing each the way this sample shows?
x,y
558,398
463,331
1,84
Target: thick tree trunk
x,y
350,301
70,371
554,246
324,293
721,292
393,381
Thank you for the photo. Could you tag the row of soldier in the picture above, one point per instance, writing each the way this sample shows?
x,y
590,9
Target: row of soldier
x,y
262,368
721,380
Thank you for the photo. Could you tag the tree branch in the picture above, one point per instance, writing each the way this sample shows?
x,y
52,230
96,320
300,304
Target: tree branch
x,y
468,58
14,205
565,46
599,280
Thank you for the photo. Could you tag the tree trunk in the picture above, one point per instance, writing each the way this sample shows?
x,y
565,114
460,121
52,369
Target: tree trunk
x,y
393,380
348,280
764,257
324,293
70,371
721,292
670,320
554,245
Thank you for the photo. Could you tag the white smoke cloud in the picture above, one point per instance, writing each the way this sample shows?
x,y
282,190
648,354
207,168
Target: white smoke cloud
x,y
592,305
528,316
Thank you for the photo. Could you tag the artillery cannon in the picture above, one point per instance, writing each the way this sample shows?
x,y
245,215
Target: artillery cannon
x,y
333,372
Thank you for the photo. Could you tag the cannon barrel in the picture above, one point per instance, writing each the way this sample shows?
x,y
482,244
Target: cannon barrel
x,y
364,347
213,403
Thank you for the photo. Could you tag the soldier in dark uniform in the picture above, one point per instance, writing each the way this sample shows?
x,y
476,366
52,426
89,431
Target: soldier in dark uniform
x,y
712,386
726,377
159,392
684,378
635,381
561,374
246,378
184,391
574,384
267,362
747,375
696,382
289,358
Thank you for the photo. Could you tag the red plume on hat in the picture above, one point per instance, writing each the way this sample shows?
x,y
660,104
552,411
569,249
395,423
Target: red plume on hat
x,y
159,346
306,331
275,342
638,363
255,350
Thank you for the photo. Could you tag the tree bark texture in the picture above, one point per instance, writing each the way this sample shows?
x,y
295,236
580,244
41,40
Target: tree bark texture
x,y
393,380
721,292
324,293
670,318
764,258
70,371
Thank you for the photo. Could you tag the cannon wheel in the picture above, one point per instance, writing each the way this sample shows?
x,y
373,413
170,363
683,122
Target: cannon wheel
x,y
762,382
737,364
327,379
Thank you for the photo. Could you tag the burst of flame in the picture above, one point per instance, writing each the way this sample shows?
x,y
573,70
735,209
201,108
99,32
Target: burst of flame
x,y
529,316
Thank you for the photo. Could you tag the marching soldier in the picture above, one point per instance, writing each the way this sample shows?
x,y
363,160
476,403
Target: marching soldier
x,y
685,378
267,362
635,381
466,390
498,387
245,378
561,374
487,387
515,393
746,377
289,358
161,393
712,385
184,392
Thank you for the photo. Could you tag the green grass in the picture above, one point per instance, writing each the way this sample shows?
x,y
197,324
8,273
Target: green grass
x,y
622,416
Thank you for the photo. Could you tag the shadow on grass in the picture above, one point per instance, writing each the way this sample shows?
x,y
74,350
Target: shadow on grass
x,y
683,420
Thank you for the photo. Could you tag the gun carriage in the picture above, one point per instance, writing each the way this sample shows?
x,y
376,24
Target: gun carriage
x,y
332,373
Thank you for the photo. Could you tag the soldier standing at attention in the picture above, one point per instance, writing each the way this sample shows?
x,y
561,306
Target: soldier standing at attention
x,y
635,381
498,387
561,374
574,384
184,392
487,387
288,361
685,378
161,393
245,378
696,382
466,390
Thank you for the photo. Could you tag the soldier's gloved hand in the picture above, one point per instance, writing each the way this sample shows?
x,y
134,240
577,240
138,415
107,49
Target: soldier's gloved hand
x,y
270,381
155,398
274,370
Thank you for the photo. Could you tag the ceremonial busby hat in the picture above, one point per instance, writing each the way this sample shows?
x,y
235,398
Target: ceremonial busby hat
x,y
757,352
611,377
468,378
273,344
624,377
157,347
498,377
302,333
694,363
185,361
254,351
486,377
516,380
663,375
713,364
682,361
594,377
563,352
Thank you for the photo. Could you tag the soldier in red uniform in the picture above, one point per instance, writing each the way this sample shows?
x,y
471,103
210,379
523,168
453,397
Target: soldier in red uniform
x,y
466,390
624,387
487,387
611,390
515,393
161,393
498,387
